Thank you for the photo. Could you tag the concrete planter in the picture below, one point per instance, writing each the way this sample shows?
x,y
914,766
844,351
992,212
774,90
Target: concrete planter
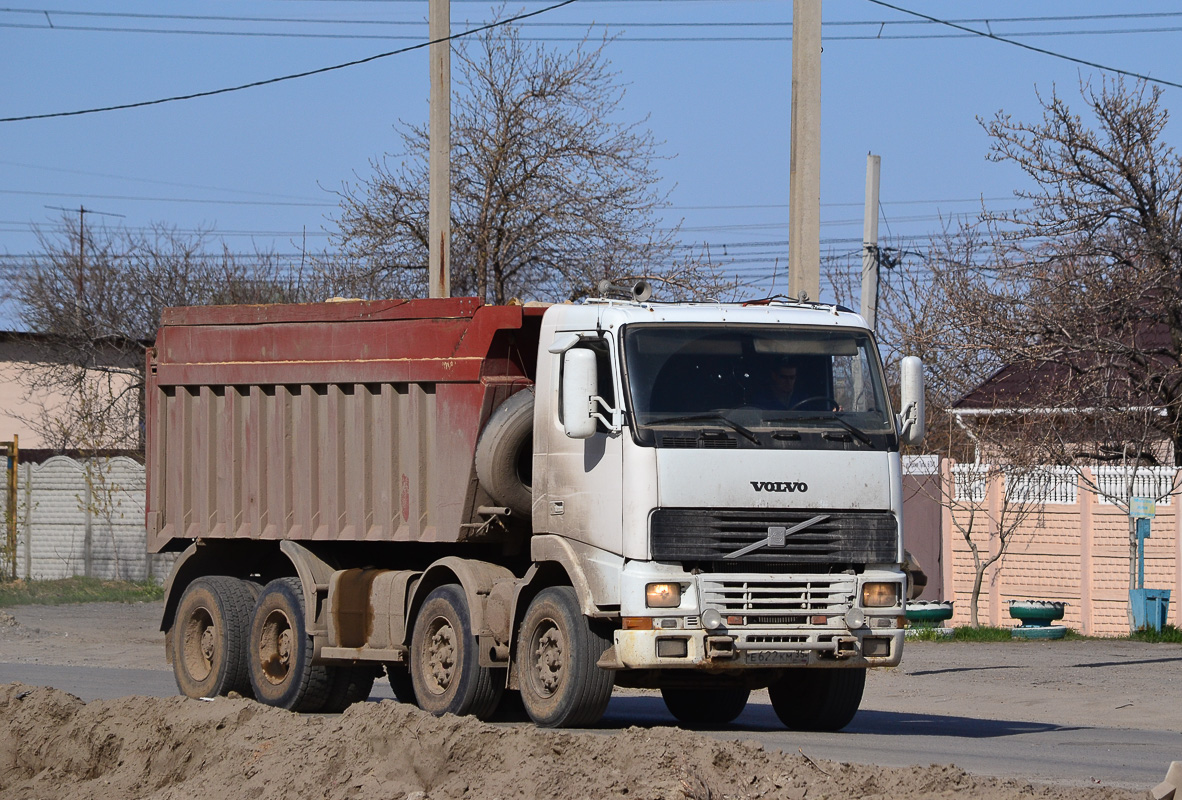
x,y
929,612
1036,617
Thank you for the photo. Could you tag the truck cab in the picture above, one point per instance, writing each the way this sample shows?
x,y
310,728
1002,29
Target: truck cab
x,y
728,525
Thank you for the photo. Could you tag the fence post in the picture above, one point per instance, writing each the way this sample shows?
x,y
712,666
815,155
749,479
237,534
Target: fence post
x,y
947,557
28,522
88,533
1175,502
1085,500
993,490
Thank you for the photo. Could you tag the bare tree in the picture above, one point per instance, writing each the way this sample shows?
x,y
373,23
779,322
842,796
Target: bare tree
x,y
1087,284
1073,300
96,299
550,192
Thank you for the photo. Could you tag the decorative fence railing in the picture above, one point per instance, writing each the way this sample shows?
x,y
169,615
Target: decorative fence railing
x,y
1113,484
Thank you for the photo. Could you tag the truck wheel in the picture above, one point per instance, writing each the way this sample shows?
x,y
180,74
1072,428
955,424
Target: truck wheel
x,y
444,666
281,669
348,685
557,651
403,687
209,637
705,706
818,699
504,453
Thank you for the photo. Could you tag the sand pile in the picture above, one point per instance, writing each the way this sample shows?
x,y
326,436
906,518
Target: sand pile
x,y
52,745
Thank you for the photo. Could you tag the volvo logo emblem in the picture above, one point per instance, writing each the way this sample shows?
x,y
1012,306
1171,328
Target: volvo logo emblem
x,y
779,486
777,536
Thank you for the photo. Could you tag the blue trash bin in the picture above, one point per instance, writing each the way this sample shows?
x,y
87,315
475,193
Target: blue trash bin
x,y
1151,608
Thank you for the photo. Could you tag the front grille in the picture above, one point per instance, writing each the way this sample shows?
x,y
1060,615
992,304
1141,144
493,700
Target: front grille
x,y
703,538
762,596
775,639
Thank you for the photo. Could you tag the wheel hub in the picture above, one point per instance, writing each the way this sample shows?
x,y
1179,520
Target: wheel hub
x,y
200,641
276,647
441,656
551,659
207,644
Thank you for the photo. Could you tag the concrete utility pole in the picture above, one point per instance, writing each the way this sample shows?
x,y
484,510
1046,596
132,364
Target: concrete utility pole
x,y
870,243
804,188
439,203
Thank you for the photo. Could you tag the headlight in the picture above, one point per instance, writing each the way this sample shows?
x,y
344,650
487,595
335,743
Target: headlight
x,y
662,595
880,595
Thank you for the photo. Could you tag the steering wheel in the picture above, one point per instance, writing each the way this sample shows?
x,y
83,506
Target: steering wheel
x,y
823,403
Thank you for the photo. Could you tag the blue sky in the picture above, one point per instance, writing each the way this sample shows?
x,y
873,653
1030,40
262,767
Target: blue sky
x,y
713,77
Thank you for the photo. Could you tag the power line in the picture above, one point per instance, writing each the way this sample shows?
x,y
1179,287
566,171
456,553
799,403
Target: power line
x,y
638,24
135,198
750,206
1030,47
149,180
293,76
623,36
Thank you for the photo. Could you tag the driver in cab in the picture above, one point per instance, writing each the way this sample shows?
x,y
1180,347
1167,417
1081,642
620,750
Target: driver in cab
x,y
782,393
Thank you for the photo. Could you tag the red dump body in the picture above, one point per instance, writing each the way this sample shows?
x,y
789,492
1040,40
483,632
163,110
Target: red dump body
x,y
341,421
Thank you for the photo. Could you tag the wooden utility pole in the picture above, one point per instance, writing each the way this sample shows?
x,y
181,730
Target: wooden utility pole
x,y
80,283
439,202
804,188
12,450
870,260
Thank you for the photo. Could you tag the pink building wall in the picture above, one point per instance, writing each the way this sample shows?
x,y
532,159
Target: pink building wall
x,y
1074,553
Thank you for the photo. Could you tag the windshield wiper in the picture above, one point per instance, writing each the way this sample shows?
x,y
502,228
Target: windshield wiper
x,y
730,423
832,415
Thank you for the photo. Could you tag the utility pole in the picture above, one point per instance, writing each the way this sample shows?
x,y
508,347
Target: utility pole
x,y
11,450
80,284
870,243
439,201
804,187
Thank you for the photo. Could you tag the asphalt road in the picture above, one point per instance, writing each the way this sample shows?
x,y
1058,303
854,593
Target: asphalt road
x,y
1033,751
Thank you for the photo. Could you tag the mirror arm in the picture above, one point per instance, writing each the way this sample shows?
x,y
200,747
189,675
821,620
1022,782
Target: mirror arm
x,y
907,420
614,425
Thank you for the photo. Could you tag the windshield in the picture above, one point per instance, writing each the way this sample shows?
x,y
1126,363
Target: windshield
x,y
755,386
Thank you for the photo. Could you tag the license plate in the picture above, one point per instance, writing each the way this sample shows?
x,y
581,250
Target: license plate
x,y
777,658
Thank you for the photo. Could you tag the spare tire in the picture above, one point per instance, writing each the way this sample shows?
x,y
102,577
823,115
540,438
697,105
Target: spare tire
x,y
504,453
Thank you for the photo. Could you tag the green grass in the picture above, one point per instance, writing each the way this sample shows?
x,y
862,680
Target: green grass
x,y
966,633
985,633
1168,634
76,590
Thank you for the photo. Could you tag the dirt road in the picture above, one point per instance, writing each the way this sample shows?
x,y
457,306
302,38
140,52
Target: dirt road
x,y
1122,695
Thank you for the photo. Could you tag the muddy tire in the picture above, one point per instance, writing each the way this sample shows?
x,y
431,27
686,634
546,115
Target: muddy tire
x,y
504,453
817,699
281,670
705,706
400,683
348,685
444,666
209,637
557,650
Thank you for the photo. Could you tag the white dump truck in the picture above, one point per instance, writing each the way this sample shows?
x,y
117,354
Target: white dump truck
x,y
700,498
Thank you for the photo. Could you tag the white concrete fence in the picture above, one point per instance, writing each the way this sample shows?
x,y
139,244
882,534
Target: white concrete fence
x,y
83,518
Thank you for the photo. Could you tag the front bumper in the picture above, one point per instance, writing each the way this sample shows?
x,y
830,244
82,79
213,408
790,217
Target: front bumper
x,y
754,649
760,620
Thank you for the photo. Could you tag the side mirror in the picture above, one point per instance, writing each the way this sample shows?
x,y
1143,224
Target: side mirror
x,y
911,419
579,382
